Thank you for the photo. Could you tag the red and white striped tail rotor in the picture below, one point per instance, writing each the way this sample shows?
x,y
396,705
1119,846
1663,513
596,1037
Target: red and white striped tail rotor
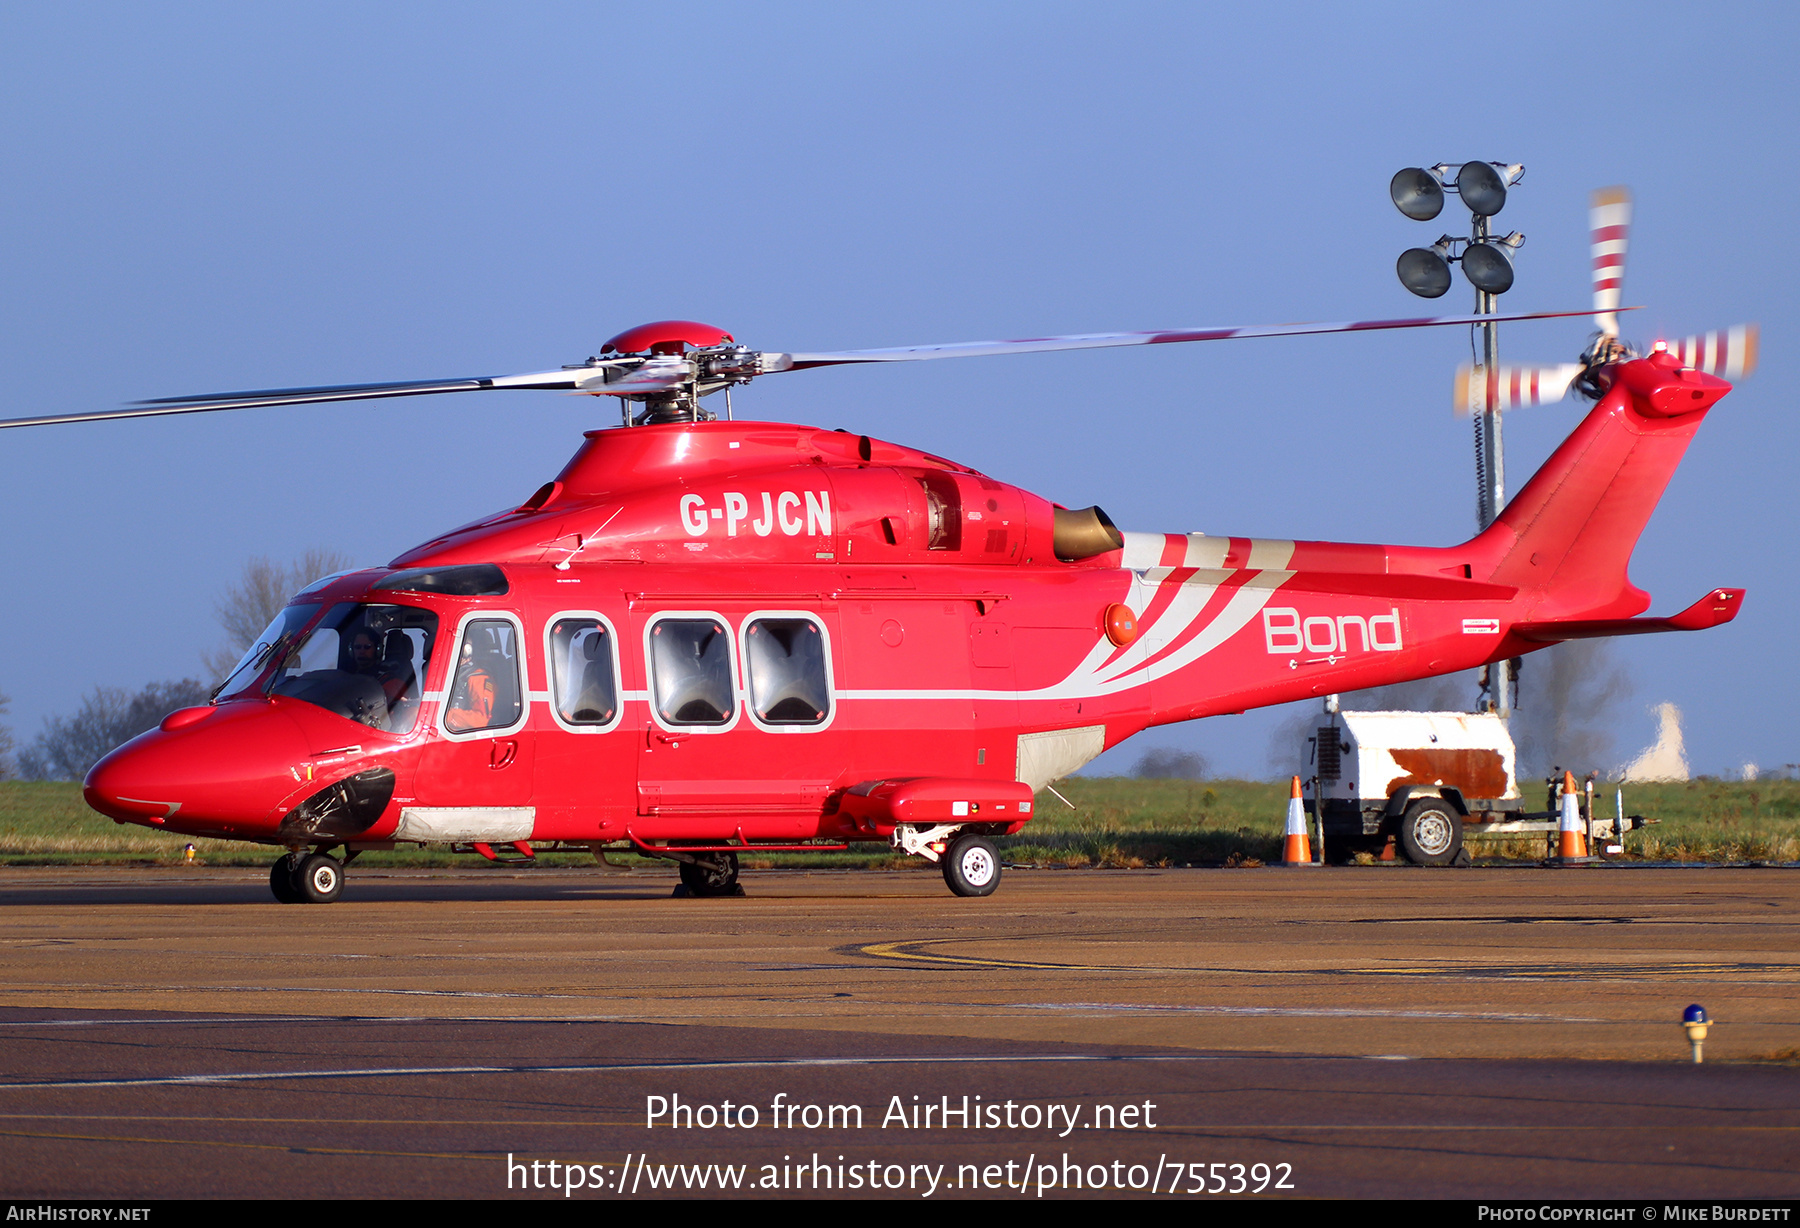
x,y
1729,353
1515,386
1609,218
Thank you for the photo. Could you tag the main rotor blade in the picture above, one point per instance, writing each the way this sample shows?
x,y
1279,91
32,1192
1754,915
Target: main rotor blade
x,y
648,375
658,373
1609,221
208,402
1097,341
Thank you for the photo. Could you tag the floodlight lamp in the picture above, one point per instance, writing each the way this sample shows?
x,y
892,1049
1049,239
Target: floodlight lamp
x,y
1512,172
1417,193
1488,268
1481,189
1424,271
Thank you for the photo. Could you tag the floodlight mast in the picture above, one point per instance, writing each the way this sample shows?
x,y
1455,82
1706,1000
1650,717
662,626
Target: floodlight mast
x,y
1498,679
1490,454
1482,187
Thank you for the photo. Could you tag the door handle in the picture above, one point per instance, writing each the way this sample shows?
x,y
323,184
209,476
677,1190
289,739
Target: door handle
x,y
503,754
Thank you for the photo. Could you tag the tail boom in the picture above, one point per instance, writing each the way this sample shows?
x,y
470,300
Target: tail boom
x,y
1329,617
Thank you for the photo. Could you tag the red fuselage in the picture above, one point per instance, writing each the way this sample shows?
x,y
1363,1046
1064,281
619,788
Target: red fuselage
x,y
712,631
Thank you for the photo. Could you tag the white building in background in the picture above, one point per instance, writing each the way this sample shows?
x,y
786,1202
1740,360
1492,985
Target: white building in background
x,y
1665,758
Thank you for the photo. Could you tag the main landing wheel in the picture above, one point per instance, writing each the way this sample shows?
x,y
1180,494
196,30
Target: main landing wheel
x,y
306,878
1430,833
281,880
711,874
971,866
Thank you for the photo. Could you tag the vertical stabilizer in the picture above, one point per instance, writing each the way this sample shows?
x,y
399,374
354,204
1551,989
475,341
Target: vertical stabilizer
x,y
1569,534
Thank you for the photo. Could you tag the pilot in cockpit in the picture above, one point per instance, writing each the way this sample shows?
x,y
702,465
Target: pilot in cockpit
x,y
365,654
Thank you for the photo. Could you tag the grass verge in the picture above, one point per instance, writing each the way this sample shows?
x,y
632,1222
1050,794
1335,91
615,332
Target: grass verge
x,y
1117,822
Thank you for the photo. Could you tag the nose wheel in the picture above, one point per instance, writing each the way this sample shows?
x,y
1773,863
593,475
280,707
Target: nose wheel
x,y
313,879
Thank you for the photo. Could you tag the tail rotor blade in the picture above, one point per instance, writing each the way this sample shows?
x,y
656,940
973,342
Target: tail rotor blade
x,y
1515,386
1729,353
1609,218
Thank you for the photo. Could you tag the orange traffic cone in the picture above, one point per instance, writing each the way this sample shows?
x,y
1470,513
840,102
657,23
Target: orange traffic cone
x,y
1298,849
1571,839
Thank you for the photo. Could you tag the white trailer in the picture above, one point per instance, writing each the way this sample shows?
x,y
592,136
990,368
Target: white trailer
x,y
1417,783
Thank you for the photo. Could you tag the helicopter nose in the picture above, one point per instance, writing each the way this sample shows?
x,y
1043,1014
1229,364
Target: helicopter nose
x,y
224,770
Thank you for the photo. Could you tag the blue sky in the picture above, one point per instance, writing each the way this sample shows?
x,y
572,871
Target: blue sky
x,y
210,197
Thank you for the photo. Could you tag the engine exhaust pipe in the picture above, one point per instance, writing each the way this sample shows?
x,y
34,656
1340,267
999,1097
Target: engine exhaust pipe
x,y
1083,534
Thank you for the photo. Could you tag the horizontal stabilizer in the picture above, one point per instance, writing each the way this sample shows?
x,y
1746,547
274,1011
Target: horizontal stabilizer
x,y
1719,606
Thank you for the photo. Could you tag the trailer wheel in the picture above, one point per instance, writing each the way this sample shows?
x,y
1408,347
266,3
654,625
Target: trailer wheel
x,y
1430,833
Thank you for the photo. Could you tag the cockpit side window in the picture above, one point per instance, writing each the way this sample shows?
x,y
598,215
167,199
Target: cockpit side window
x,y
486,692
582,680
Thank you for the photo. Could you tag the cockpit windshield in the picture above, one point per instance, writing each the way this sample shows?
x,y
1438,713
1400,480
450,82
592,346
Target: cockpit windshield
x,y
364,662
250,667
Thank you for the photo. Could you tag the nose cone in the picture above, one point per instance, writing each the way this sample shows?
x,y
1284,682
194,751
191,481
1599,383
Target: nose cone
x,y
223,773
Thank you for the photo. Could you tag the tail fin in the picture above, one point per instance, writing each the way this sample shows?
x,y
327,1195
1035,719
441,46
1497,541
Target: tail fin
x,y
1568,535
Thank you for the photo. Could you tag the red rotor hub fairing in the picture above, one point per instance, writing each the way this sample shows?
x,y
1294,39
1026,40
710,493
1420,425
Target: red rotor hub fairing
x,y
666,337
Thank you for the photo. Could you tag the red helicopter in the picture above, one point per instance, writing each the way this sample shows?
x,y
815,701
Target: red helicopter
x,y
708,637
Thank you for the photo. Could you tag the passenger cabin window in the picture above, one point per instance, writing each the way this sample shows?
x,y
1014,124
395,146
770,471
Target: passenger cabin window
x,y
690,668
581,672
785,660
486,692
